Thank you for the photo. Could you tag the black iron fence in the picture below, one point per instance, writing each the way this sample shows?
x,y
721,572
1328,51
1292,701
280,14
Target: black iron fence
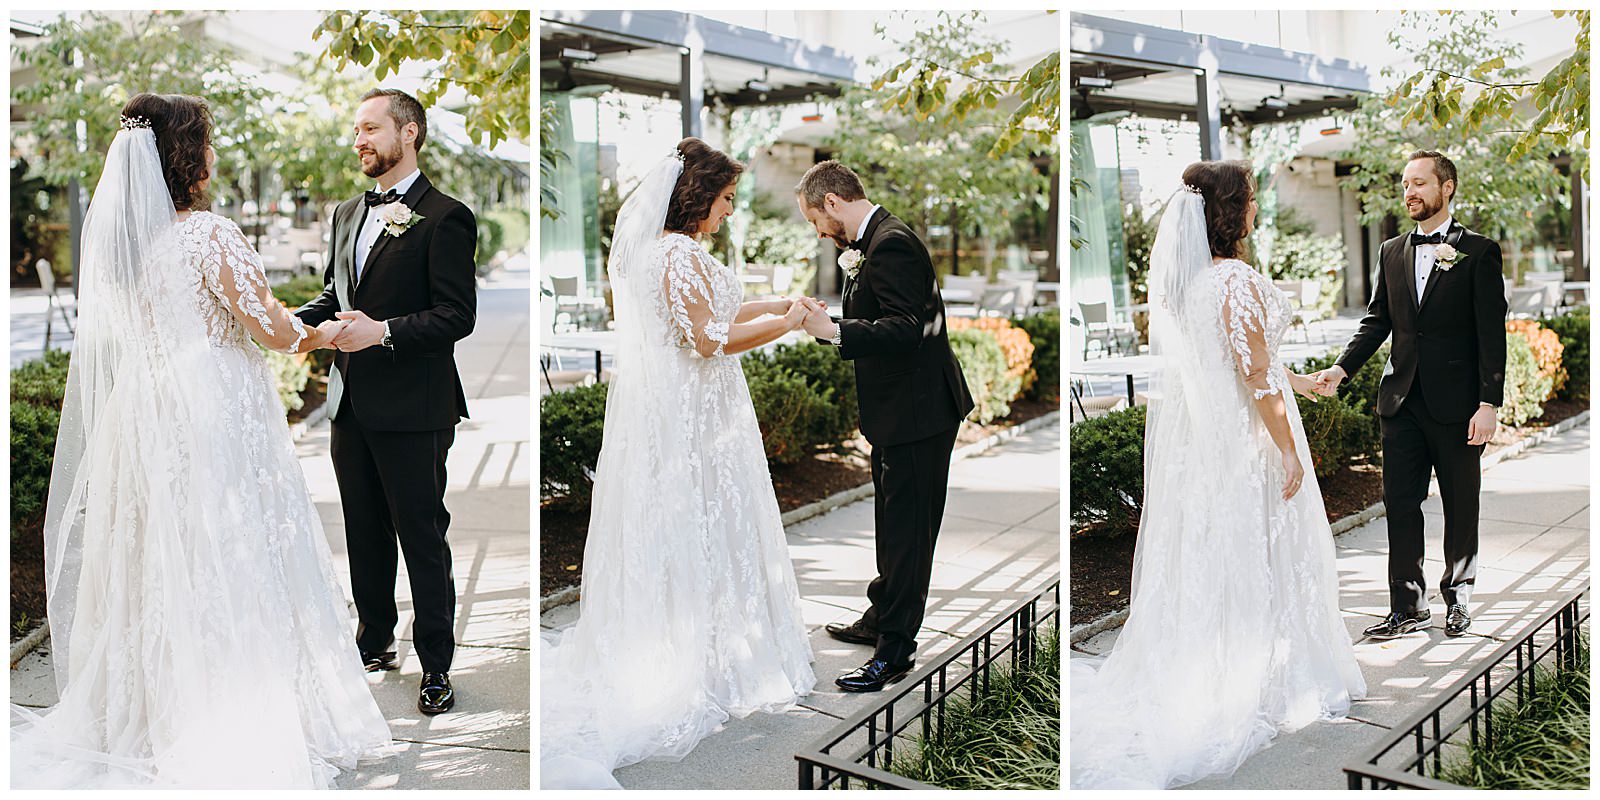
x,y
860,752
1412,755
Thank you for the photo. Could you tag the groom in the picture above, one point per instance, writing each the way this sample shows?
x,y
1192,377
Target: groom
x,y
1441,295
401,277
912,397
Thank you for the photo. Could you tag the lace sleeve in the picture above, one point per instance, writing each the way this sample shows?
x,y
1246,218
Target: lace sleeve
x,y
1244,317
234,274
689,291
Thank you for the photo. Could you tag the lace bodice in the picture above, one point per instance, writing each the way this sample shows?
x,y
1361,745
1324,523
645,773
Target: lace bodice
x,y
699,296
1255,316
232,291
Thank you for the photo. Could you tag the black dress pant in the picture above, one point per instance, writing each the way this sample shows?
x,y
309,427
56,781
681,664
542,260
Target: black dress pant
x,y
910,481
391,485
1415,445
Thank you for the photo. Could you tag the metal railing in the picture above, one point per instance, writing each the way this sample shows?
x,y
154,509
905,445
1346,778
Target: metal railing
x,y
862,749
1427,732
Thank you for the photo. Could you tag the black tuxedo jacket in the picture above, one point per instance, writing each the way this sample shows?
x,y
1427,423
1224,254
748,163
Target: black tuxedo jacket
x,y
1453,337
424,283
908,383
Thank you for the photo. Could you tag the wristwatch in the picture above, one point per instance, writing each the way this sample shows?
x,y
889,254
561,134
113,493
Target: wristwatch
x,y
838,335
388,340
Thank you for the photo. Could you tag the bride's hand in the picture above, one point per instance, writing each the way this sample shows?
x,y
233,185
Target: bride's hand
x,y
1293,473
1304,385
780,306
327,331
796,315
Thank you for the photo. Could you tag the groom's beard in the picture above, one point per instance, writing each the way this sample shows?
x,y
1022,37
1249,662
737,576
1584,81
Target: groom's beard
x,y
382,162
1426,209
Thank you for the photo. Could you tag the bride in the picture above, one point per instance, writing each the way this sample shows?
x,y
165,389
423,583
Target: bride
x,y
690,610
1234,630
198,635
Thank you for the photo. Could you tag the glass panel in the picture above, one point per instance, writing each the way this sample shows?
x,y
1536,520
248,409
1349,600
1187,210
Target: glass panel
x,y
1099,268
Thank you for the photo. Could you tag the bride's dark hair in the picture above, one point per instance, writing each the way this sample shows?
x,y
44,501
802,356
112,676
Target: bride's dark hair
x,y
1227,187
182,125
706,172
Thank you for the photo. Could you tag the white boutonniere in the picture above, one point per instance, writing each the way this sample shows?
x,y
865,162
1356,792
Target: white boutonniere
x,y
1445,256
398,218
850,261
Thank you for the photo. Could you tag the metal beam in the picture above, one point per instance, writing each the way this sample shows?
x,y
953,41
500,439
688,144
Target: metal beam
x,y
691,91
1133,43
674,28
1208,112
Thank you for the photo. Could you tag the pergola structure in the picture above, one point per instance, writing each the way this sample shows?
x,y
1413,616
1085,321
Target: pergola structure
x,y
1169,74
693,58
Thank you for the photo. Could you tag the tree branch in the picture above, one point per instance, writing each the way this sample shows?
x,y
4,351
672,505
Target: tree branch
x,y
1482,83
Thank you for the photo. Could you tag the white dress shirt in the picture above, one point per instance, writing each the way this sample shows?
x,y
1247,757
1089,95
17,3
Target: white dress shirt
x,y
862,231
1423,261
373,227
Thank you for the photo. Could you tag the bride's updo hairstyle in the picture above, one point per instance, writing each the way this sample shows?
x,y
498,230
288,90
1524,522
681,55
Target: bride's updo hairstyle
x,y
182,125
1227,187
706,172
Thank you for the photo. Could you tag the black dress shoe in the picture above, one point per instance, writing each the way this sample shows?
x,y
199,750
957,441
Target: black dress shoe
x,y
1457,621
854,633
436,696
872,676
1398,624
379,661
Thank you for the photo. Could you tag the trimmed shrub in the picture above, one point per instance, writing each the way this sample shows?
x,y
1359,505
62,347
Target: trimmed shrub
x,y
298,291
571,424
290,373
983,363
1015,343
1572,328
1044,380
1343,429
1526,386
788,410
1107,473
491,236
36,389
829,377
1547,351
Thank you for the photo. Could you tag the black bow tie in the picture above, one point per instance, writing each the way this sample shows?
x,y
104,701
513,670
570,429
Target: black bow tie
x,y
374,199
1437,237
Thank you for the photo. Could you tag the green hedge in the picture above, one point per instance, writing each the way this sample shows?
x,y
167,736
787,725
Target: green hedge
x,y
571,423
491,236
290,374
1573,328
1344,429
36,389
299,290
1107,472
983,363
786,408
1526,388
829,416
1044,329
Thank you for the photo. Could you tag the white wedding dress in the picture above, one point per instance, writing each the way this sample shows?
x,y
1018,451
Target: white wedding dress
x,y
198,634
1234,631
690,609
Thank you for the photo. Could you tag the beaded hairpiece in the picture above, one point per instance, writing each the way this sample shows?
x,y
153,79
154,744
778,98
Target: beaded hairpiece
x,y
130,123
678,154
1191,189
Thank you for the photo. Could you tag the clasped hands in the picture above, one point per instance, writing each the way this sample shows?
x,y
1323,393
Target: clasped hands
x,y
349,331
808,313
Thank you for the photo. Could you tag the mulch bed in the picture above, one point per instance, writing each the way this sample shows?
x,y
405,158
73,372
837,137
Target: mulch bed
x,y
27,547
562,532
27,580
1102,567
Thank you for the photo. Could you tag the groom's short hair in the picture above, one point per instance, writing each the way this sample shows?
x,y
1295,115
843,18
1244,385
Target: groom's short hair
x,y
1443,168
829,177
404,109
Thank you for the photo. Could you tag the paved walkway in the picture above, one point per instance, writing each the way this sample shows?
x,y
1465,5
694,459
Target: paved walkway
x,y
1533,550
1001,538
484,742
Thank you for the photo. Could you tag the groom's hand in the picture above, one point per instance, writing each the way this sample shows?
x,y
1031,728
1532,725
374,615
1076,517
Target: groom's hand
x,y
360,332
817,323
1328,380
1481,428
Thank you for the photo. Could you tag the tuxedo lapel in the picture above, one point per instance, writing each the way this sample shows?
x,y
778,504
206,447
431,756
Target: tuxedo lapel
x,y
1407,269
864,243
418,188
1451,237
